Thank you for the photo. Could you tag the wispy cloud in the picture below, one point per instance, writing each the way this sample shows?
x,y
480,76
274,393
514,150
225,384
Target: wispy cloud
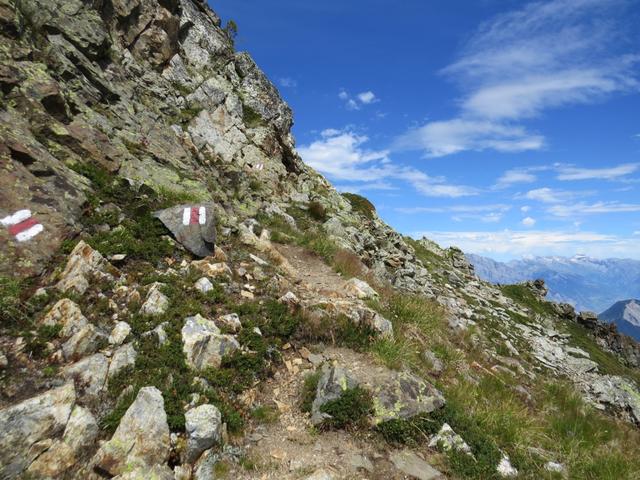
x,y
512,177
287,82
519,64
499,207
528,222
550,195
509,244
442,138
611,173
342,156
582,208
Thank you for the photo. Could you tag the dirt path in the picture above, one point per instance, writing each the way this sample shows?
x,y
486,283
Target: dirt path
x,y
290,448
311,273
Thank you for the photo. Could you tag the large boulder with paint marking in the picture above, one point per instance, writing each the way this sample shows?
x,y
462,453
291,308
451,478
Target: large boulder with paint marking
x,y
192,225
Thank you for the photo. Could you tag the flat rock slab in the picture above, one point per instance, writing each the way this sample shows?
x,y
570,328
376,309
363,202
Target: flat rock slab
x,y
192,225
411,464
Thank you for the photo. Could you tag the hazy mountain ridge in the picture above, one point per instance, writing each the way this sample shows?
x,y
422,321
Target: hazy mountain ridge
x,y
587,283
625,315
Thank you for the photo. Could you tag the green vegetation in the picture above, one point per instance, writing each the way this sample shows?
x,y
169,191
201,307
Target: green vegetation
x,y
361,205
317,211
140,235
265,414
309,389
349,411
251,118
12,308
231,29
524,296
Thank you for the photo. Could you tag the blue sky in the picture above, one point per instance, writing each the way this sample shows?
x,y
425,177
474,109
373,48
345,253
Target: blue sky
x,y
504,127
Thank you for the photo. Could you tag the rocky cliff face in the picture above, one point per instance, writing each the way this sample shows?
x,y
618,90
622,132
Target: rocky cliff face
x,y
314,340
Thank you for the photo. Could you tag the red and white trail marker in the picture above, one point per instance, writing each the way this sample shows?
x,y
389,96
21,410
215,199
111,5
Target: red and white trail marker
x,y
194,216
22,225
258,166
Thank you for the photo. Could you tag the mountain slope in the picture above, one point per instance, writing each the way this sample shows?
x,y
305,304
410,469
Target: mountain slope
x,y
586,283
314,342
625,315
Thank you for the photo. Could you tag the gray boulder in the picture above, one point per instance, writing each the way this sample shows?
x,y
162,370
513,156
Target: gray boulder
x,y
32,421
141,440
203,344
203,425
192,225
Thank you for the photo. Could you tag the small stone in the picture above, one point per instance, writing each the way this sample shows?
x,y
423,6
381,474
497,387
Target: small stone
x,y
156,302
203,344
4,361
87,340
159,332
446,440
203,425
258,260
554,467
211,269
119,333
320,475
359,289
505,469
290,299
231,321
437,366
123,357
247,294
411,464
204,285
67,314
83,264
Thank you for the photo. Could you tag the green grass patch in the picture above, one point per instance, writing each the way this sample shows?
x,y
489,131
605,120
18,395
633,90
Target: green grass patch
x,y
309,390
361,205
349,411
525,297
252,118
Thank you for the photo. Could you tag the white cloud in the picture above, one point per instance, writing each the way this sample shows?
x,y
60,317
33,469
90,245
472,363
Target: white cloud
x,y
543,55
287,82
367,97
637,232
360,100
525,208
342,156
499,207
507,244
582,208
442,138
611,173
511,177
528,222
550,195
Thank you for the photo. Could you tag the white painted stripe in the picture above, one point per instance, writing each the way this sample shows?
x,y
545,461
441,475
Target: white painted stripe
x,y
19,216
29,233
186,216
202,216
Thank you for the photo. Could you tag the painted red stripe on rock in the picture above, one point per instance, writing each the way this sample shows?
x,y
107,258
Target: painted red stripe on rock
x,y
22,226
195,216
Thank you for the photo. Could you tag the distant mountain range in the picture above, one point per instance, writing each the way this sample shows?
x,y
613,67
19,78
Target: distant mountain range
x,y
587,283
626,315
